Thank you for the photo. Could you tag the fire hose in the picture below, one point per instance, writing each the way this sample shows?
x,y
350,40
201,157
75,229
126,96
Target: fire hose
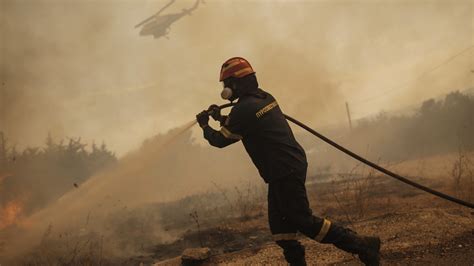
x,y
370,163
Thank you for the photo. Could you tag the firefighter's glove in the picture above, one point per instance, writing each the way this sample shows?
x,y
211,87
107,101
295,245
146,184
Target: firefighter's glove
x,y
203,118
215,112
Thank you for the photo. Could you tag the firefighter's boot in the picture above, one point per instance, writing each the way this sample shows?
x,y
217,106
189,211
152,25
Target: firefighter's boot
x,y
293,251
367,248
300,262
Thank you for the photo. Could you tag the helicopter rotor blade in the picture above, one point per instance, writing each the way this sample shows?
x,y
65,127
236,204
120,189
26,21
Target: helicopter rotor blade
x,y
156,14
195,6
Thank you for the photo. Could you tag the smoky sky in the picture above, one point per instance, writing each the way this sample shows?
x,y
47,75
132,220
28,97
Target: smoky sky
x,y
80,69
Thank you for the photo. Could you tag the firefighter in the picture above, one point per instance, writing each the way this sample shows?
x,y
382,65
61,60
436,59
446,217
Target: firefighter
x,y
259,123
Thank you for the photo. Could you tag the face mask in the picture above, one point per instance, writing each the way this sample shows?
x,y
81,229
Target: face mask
x,y
226,93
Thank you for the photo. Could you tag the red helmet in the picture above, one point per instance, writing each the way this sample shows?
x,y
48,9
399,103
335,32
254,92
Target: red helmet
x,y
236,67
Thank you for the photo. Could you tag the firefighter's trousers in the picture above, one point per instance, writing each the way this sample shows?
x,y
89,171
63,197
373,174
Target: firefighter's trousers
x,y
289,213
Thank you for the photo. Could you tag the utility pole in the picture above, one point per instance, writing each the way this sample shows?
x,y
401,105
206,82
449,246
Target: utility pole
x,y
3,154
349,115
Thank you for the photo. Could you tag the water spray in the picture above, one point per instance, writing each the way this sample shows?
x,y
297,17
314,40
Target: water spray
x,y
368,162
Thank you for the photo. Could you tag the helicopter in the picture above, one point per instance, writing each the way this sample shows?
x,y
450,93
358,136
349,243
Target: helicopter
x,y
159,26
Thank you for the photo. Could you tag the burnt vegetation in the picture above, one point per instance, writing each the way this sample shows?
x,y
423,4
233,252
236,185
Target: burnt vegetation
x,y
36,176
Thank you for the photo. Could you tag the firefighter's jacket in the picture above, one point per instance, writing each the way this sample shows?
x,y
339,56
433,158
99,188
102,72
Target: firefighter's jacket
x,y
258,121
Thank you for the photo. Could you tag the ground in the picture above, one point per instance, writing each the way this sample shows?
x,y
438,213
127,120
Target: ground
x,y
438,235
416,228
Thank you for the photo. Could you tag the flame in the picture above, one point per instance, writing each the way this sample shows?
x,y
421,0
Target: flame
x,y
10,214
3,176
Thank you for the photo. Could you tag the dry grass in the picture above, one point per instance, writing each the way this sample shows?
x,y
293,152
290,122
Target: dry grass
x,y
462,175
355,197
70,248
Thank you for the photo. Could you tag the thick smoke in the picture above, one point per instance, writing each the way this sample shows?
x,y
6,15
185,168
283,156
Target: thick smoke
x,y
79,68
166,167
